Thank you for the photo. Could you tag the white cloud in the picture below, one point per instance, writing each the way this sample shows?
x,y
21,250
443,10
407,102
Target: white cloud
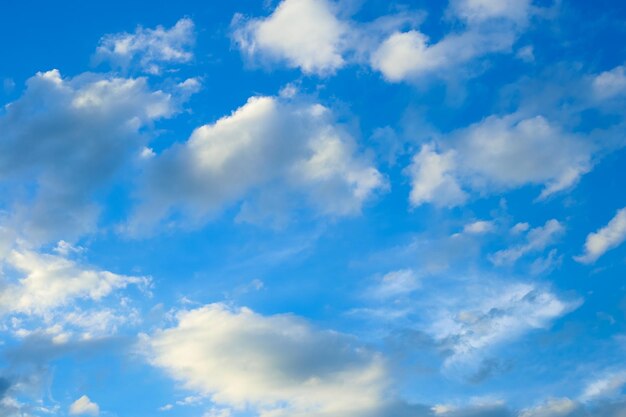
x,y
47,282
479,227
474,11
305,34
396,283
318,37
553,407
610,83
537,239
264,151
486,316
84,407
64,138
279,365
609,385
150,49
433,179
406,56
605,239
500,153
506,152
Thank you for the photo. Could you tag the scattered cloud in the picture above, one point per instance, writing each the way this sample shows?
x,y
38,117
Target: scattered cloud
x,y
536,240
84,407
605,239
149,49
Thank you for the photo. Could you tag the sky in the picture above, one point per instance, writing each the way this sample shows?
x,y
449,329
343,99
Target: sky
x,y
313,208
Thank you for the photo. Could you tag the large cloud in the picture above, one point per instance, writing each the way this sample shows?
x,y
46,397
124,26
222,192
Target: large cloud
x,y
279,365
268,148
64,138
500,153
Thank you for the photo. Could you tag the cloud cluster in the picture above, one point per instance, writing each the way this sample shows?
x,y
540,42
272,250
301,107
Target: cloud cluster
x,y
318,37
149,49
269,148
278,365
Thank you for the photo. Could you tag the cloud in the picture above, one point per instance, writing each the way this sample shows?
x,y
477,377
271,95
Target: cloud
x,y
605,239
149,49
305,34
474,11
479,227
50,281
266,150
319,38
278,365
537,239
610,83
84,407
64,138
433,179
407,56
553,407
483,317
608,386
499,153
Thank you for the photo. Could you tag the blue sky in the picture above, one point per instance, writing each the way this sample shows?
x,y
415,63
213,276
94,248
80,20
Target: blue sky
x,y
346,208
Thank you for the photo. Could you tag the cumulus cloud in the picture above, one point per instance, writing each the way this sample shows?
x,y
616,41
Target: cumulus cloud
x,y
319,38
279,365
65,137
433,179
149,49
500,153
84,407
267,149
536,239
305,34
605,239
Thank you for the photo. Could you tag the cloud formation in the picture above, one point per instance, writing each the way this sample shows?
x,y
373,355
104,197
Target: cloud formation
x,y
279,365
268,148
605,239
149,49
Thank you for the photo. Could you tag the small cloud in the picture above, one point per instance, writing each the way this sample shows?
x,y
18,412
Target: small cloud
x,y
605,239
84,407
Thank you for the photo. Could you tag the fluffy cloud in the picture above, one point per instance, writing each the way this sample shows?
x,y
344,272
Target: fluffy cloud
x,y
554,407
279,365
605,239
48,281
268,148
537,239
406,56
433,179
305,34
500,153
149,49
318,38
64,138
84,407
